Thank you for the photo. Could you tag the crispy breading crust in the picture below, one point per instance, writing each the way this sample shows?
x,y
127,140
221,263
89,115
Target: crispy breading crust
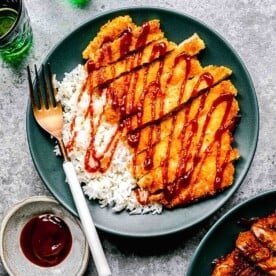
x,y
148,54
130,40
172,144
254,251
136,85
161,102
111,30
235,264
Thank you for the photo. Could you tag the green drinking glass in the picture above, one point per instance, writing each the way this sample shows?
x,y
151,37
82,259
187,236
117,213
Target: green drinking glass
x,y
15,31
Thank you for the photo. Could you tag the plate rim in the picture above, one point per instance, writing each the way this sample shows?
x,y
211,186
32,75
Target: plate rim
x,y
254,98
231,212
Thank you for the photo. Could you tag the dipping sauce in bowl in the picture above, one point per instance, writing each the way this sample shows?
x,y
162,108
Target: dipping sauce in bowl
x,y
46,240
40,237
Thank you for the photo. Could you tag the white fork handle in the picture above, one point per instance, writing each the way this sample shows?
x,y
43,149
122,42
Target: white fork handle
x,y
86,220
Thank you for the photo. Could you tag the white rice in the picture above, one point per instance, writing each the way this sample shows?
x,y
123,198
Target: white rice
x,y
114,188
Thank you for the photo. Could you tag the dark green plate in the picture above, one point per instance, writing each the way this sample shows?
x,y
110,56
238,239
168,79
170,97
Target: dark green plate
x,y
67,54
220,239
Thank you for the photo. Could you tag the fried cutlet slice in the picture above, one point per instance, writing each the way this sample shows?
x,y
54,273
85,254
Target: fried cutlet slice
x,y
252,249
134,60
156,101
150,93
192,138
191,45
130,40
125,92
264,230
156,132
199,120
108,32
211,174
234,264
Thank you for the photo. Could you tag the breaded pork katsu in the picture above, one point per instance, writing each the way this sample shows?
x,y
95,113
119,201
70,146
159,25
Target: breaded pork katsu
x,y
254,253
235,264
175,115
184,164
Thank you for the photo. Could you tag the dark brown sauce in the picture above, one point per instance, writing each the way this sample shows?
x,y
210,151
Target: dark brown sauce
x,y
142,39
207,77
126,38
133,139
126,105
90,66
106,39
153,90
159,49
95,161
241,265
46,240
187,61
183,179
142,201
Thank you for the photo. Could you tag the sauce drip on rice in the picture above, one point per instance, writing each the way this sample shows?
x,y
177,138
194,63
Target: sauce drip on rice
x,y
173,117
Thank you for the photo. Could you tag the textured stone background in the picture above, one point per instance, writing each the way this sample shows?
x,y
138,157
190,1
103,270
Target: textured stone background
x,y
250,26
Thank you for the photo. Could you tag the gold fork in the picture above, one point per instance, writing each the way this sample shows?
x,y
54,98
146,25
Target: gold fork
x,y
48,114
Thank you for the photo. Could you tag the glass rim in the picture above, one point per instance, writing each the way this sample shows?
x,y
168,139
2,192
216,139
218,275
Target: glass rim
x,y
19,11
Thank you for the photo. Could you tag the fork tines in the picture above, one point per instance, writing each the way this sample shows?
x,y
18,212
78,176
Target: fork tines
x,y
42,91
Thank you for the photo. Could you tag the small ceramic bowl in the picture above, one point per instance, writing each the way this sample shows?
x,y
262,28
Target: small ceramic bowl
x,y
13,258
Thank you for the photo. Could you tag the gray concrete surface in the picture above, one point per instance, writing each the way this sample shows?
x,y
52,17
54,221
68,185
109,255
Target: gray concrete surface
x,y
249,26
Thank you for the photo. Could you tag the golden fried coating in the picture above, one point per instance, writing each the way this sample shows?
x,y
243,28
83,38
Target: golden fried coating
x,y
265,231
158,100
254,252
212,173
250,247
176,116
157,132
130,40
162,81
132,61
234,264
108,32
193,143
191,46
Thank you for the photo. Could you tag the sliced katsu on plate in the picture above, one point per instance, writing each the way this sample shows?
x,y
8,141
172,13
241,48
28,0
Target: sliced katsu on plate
x,y
160,117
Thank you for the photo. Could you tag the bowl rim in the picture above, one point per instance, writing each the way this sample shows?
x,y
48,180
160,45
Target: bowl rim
x,y
35,199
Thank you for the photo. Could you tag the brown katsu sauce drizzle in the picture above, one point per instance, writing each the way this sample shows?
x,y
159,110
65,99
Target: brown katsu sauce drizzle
x,y
179,59
241,266
126,106
126,38
101,161
90,66
159,49
185,174
140,199
94,160
142,39
154,91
